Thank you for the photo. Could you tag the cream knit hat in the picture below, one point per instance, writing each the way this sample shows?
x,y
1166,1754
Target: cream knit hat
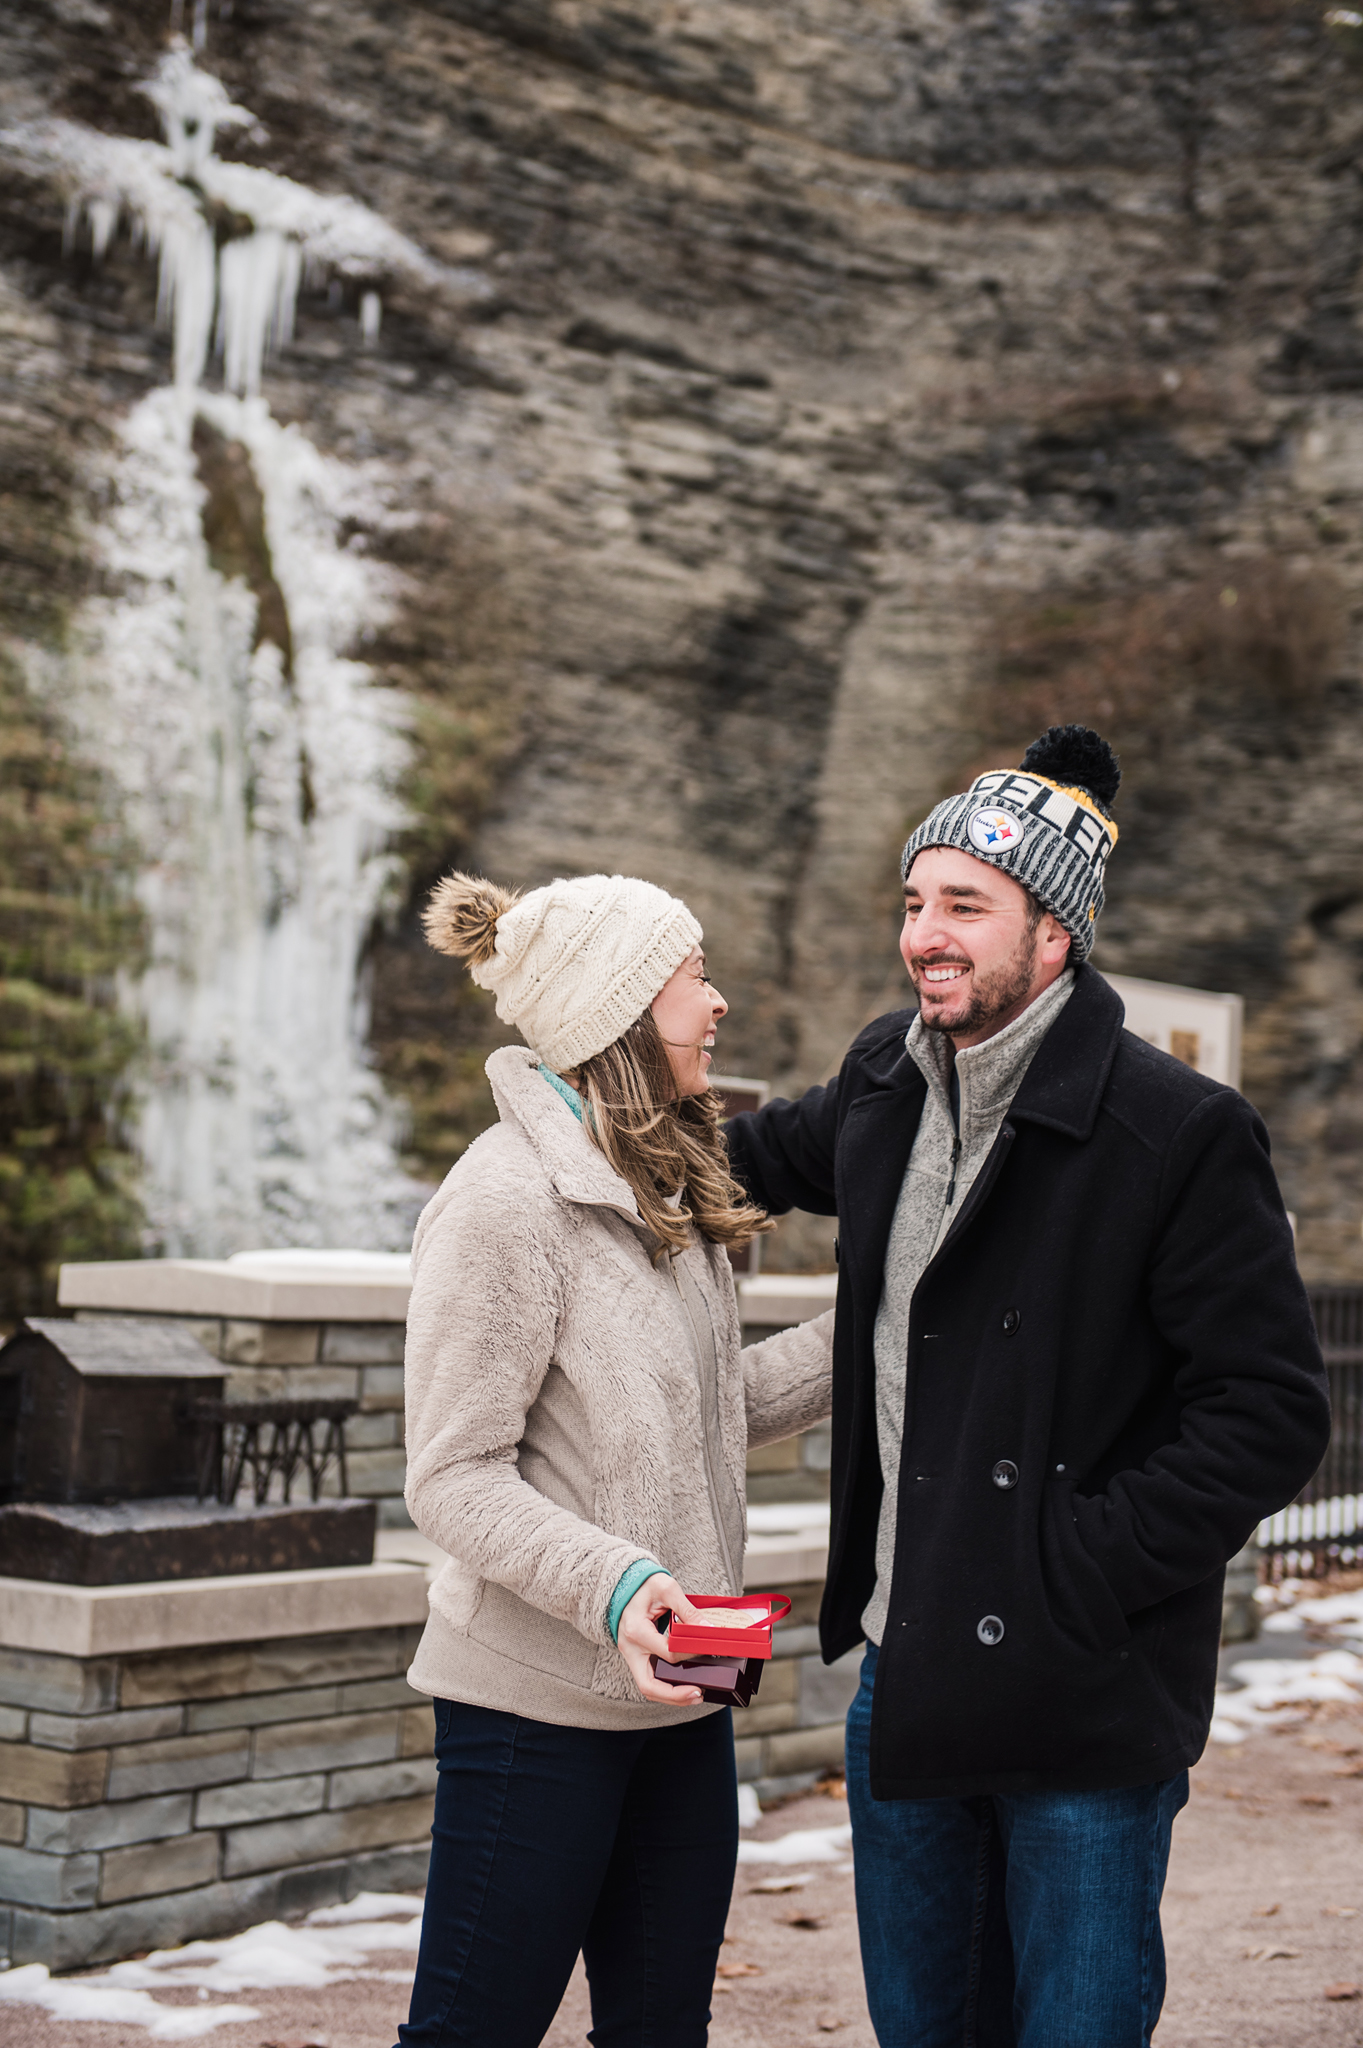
x,y
573,964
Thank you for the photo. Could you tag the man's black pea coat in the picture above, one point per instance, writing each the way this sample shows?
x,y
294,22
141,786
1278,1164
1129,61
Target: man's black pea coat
x,y
1116,1318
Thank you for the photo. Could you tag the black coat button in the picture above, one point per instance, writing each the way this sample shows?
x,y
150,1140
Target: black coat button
x,y
1012,1322
1005,1474
989,1630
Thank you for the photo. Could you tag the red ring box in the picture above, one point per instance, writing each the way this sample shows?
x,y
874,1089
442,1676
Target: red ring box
x,y
726,1663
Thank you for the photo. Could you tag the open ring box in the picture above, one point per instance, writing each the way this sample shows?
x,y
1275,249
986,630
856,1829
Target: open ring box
x,y
726,1663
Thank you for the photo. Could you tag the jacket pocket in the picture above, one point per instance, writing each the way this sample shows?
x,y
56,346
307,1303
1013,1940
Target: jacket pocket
x,y
525,1634
1083,1605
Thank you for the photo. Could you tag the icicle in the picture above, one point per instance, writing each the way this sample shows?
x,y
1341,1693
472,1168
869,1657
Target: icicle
x,y
200,23
186,292
70,226
259,281
371,317
103,214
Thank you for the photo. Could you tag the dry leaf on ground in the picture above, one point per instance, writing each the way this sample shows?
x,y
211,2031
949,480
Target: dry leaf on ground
x,y
1269,1955
1267,1912
1342,1991
739,1970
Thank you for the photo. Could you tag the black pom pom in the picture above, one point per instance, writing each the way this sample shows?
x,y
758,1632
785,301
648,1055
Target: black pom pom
x,y
1073,754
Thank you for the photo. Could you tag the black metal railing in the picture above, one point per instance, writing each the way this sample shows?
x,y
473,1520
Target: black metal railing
x,y
267,1445
1322,1531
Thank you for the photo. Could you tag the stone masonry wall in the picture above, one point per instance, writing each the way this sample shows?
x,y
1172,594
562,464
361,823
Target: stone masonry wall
x,y
148,1799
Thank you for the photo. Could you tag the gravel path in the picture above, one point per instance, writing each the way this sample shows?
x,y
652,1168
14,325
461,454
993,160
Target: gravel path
x,y
1267,1857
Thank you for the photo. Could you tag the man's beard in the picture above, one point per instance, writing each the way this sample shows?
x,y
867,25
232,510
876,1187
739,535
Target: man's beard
x,y
994,994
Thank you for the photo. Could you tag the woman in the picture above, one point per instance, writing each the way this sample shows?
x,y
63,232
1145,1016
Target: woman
x,y
578,1413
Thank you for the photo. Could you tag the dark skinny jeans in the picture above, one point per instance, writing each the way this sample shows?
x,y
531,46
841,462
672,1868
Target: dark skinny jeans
x,y
552,1841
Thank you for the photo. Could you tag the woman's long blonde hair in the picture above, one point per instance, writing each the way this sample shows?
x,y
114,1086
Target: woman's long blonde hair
x,y
657,1141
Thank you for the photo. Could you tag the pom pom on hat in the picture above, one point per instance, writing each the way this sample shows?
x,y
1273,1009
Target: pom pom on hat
x,y
573,964
461,916
1076,758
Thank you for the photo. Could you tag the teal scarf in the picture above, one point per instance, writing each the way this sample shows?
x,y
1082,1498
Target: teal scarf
x,y
560,1087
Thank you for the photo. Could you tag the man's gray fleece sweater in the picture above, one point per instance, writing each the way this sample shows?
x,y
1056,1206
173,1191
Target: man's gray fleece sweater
x,y
988,1076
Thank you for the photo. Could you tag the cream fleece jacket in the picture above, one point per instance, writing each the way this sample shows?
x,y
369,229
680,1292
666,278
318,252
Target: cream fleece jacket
x,y
556,1414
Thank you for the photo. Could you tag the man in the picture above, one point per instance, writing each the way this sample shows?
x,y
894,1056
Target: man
x,y
1074,1366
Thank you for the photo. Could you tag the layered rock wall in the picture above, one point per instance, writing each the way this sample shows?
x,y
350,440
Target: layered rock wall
x,y
809,356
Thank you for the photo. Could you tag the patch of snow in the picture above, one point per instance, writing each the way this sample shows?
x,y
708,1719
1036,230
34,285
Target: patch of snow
x,y
1335,1608
101,2001
1272,1691
367,1906
749,1807
803,1845
269,1957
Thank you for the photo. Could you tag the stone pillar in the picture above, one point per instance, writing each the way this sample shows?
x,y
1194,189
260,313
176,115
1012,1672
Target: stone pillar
x,y
183,1758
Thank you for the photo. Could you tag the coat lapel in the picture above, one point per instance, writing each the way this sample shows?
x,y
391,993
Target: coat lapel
x,y
873,1158
1063,1087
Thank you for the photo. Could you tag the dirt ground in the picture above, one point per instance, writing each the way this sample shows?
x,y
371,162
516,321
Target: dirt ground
x,y
1263,1915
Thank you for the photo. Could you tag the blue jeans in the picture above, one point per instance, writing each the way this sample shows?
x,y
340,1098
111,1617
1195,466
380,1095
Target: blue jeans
x,y
1026,1920
548,1841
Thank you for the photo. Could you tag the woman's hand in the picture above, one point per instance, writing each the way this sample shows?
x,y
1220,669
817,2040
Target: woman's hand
x,y
638,1639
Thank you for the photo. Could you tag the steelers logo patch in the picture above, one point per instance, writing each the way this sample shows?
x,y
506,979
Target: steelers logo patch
x,y
995,831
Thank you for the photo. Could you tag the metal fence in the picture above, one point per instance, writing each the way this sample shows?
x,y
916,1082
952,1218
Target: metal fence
x,y
1322,1531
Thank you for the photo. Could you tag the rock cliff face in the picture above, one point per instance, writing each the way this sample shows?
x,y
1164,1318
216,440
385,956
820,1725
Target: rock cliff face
x,y
818,395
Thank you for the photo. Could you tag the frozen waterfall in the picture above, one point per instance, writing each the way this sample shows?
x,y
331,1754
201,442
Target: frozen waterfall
x,y
257,758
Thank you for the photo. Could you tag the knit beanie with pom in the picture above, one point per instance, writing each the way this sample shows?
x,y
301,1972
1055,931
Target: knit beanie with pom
x,y
1045,823
573,964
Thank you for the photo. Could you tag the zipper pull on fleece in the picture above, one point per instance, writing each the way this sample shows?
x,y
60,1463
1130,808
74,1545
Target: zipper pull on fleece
x,y
955,1162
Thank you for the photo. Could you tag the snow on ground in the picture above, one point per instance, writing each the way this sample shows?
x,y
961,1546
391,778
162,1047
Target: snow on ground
x,y
1269,1692
804,1845
272,1956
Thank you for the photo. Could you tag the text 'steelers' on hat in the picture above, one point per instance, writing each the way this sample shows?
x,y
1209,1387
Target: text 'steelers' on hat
x,y
1046,823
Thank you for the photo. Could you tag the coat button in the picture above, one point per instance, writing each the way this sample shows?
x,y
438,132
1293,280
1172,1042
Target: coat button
x,y
990,1630
1012,1322
1005,1474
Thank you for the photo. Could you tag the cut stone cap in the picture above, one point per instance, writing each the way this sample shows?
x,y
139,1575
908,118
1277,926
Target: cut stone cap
x,y
781,1299
300,1286
101,1621
124,1347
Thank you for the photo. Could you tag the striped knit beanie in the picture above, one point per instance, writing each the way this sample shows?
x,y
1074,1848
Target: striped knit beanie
x,y
1046,823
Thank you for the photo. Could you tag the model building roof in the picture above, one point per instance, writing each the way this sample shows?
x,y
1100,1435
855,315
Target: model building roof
x,y
124,1347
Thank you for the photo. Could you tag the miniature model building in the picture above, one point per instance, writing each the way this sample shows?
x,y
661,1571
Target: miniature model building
x,y
120,1461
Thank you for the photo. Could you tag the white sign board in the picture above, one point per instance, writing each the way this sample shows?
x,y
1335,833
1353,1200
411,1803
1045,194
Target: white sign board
x,y
1198,1027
